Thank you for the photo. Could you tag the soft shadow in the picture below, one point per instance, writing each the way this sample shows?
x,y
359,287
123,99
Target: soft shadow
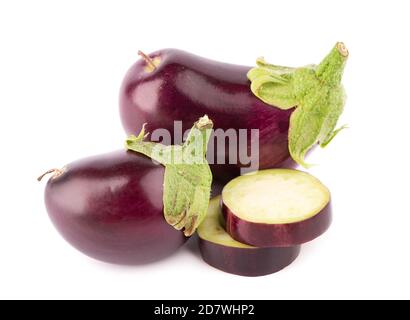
x,y
193,246
141,266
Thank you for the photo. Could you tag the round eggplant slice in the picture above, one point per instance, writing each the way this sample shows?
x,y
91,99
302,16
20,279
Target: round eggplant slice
x,y
276,208
219,250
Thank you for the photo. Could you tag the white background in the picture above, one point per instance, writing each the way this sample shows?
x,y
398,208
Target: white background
x,y
61,65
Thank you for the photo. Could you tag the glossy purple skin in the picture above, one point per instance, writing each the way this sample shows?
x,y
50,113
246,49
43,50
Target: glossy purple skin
x,y
110,208
277,235
185,87
246,261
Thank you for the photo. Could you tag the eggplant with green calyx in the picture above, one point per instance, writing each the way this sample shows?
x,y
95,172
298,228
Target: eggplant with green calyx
x,y
187,178
124,208
221,251
276,208
293,108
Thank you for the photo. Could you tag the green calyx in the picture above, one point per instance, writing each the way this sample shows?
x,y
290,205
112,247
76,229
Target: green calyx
x,y
187,178
316,93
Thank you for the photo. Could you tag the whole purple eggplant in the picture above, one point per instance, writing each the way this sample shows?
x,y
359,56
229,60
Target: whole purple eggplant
x,y
182,86
293,109
110,208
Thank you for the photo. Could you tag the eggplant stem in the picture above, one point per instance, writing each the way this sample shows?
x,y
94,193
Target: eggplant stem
x,y
342,49
55,172
147,59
